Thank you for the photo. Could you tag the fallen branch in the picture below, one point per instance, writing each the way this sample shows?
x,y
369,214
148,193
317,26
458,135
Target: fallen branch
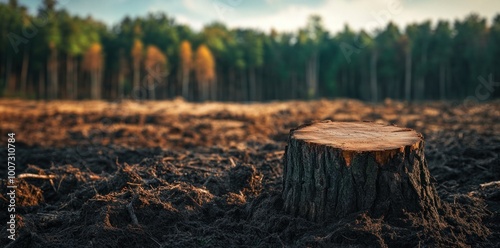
x,y
486,185
233,164
36,176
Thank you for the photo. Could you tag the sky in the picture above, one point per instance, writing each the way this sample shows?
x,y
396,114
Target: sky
x,y
282,15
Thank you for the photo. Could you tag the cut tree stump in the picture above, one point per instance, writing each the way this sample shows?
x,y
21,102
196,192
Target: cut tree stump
x,y
333,169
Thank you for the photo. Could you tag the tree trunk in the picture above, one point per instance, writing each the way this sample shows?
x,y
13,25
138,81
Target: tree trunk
x,y
309,77
333,169
253,86
244,85
121,83
93,88
343,82
136,84
408,75
202,90
232,81
10,85
69,77
213,89
442,82
352,83
152,93
185,83
152,84
24,71
373,76
53,74
41,84
75,79
96,77
294,86
312,75
361,90
420,86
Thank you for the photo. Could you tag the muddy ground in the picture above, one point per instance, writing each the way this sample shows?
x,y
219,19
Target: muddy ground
x,y
209,175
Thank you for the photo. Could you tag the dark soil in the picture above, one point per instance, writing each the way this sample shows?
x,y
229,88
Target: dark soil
x,y
210,175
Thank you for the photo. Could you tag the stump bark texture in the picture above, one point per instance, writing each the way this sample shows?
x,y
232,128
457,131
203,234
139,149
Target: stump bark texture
x,y
333,169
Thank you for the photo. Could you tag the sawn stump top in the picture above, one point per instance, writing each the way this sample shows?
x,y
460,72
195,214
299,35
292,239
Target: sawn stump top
x,y
358,136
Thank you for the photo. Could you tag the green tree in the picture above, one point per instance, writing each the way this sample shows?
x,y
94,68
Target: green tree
x,y
13,42
389,61
312,38
494,50
52,39
441,49
253,46
469,47
72,47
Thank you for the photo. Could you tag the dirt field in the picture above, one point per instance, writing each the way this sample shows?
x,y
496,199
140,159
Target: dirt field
x,y
209,175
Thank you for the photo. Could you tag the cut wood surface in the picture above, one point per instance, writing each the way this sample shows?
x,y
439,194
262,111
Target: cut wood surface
x,y
333,169
358,136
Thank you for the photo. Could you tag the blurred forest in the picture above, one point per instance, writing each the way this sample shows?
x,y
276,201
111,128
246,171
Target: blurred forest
x,y
56,55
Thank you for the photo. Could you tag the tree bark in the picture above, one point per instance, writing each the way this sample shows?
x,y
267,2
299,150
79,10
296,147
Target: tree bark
x,y
333,169
136,84
151,84
96,86
244,85
185,83
75,79
408,75
213,89
69,77
53,74
232,82
121,81
373,76
442,82
312,75
8,80
24,71
253,86
420,84
41,84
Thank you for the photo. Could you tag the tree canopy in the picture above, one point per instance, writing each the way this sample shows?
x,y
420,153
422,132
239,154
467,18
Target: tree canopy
x,y
53,54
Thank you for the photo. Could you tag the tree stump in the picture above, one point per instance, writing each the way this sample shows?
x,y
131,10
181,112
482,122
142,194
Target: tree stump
x,y
333,169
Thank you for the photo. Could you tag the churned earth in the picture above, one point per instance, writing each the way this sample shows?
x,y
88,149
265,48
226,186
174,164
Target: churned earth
x,y
179,174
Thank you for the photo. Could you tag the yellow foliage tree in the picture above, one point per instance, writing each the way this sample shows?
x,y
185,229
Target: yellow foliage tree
x,y
137,53
93,63
205,71
156,66
186,55
154,57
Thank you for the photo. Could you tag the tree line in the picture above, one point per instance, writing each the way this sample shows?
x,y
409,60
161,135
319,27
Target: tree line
x,y
55,55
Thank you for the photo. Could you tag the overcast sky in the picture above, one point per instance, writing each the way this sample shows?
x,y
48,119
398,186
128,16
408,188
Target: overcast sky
x,y
283,15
